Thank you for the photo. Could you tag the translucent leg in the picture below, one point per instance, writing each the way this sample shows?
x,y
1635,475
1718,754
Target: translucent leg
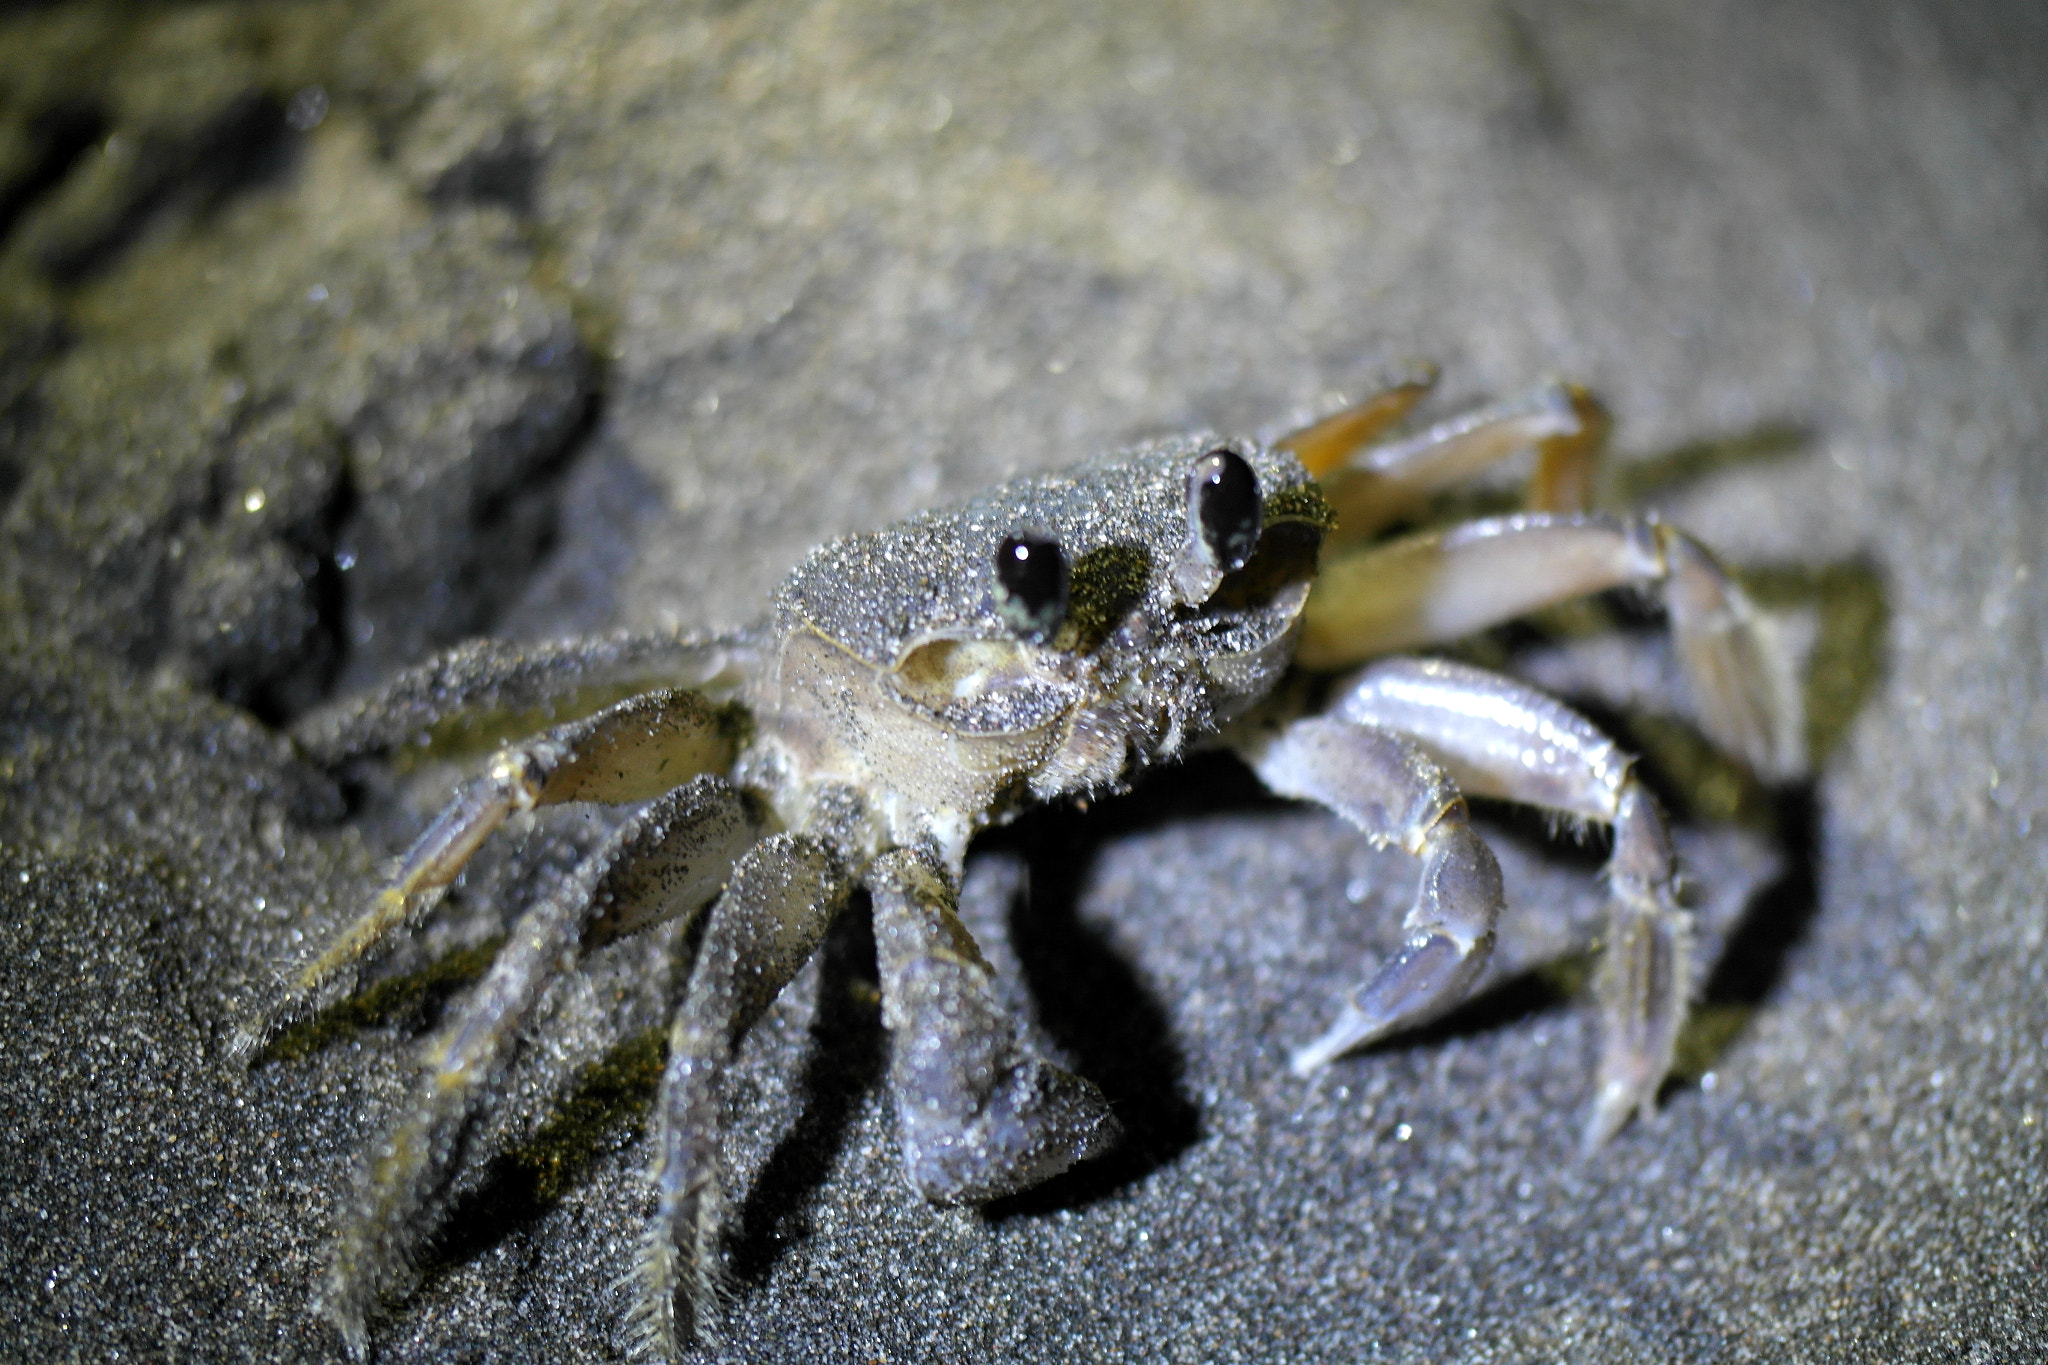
x,y
1500,738
629,752
1393,792
773,915
484,685
1329,446
669,860
980,1115
1442,585
1371,485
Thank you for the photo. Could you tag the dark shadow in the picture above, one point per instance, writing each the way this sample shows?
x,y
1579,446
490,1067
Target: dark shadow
x,y
1841,672
247,144
1697,784
1089,999
1637,480
848,1055
1851,626
519,471
606,1110
1742,978
1753,960
504,171
1090,1003
57,138
1582,847
515,526
609,508
277,689
412,1001
609,1106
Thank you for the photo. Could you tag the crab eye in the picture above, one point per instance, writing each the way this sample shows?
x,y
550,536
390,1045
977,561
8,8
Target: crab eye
x,y
1224,508
1031,586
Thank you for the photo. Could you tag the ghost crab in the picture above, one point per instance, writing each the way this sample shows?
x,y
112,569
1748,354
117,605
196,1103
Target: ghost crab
x,y
1051,638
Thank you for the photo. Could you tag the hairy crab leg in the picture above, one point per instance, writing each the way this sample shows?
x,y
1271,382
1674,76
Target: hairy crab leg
x,y
668,860
490,686
1328,446
1498,737
629,752
1441,585
782,897
1372,485
980,1114
1392,790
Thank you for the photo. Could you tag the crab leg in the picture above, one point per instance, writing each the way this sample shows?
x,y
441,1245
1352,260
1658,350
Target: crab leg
x,y
782,897
668,860
1396,794
1441,585
632,751
1497,737
1329,446
488,682
1370,486
979,1114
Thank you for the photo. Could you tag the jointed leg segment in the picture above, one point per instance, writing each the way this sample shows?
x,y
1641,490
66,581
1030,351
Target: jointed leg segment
x,y
980,1114
1373,485
485,683
1497,737
782,898
633,751
1403,740
1441,585
1434,587
1393,792
691,836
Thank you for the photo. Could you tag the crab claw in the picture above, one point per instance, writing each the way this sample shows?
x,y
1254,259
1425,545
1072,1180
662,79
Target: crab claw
x,y
962,1145
979,1115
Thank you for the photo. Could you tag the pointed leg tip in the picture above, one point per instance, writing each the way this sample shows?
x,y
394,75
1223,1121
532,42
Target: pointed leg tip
x,y
1353,1030
1097,1137
657,1327
1307,1060
341,1306
1426,977
1619,1101
248,1039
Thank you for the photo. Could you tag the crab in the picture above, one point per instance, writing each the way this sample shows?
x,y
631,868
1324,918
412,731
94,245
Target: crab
x,y
1052,639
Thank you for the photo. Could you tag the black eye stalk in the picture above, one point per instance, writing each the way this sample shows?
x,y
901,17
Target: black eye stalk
x,y
1031,586
1225,511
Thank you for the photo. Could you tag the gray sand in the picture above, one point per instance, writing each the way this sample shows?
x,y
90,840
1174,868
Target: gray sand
x,y
330,334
